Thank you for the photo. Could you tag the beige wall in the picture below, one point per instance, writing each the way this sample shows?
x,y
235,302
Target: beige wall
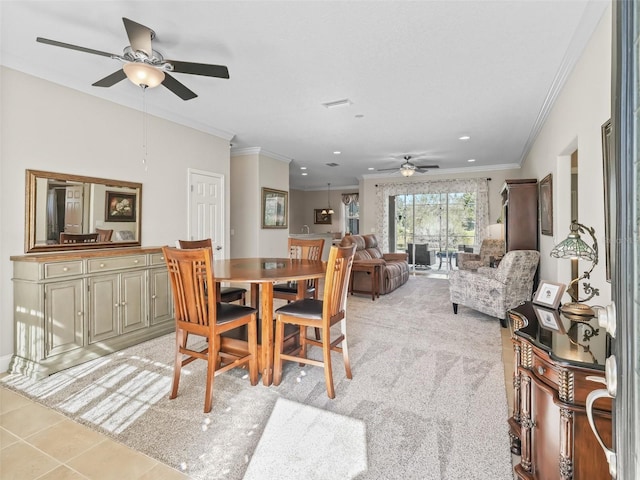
x,y
307,201
574,123
250,172
48,127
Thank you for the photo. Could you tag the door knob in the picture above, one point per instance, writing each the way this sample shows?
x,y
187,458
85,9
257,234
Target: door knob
x,y
610,380
607,319
218,247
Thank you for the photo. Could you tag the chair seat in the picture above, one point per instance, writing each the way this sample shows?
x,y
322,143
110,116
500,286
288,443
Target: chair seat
x,y
228,312
290,288
308,308
231,294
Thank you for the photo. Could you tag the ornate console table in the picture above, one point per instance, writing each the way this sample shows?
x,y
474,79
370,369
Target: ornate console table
x,y
70,307
549,429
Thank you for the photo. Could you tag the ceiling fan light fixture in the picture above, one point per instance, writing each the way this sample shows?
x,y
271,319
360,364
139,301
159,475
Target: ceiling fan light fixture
x,y
407,170
143,75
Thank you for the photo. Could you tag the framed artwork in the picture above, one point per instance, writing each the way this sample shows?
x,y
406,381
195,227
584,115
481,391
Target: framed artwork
x,y
549,318
546,205
609,193
275,208
549,294
321,219
120,207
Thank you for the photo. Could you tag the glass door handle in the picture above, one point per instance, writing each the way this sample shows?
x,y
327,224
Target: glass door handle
x,y
610,381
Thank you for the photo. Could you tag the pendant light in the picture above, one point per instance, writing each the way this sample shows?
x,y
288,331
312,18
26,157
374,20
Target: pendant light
x,y
328,210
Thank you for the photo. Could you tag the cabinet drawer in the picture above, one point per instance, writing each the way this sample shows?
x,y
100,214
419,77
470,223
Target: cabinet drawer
x,y
157,259
545,371
62,269
116,263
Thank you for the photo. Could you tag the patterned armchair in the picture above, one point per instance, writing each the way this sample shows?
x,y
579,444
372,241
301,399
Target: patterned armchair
x,y
489,248
495,290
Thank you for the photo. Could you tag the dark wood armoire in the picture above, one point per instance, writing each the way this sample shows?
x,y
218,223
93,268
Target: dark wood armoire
x,y
520,214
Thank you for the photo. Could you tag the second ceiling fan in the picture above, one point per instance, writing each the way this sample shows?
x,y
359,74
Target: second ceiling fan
x,y
408,168
144,66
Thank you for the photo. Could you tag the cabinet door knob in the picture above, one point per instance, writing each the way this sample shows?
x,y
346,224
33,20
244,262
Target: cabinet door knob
x,y
541,369
79,314
102,265
153,297
136,261
116,305
65,269
123,304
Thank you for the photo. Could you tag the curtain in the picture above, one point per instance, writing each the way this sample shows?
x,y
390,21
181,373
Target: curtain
x,y
479,186
348,198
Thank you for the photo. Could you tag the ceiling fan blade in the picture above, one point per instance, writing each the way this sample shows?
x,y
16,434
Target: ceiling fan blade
x,y
219,71
387,169
139,36
111,80
178,88
427,167
55,43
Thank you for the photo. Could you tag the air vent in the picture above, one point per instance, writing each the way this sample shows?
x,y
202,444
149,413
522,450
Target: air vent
x,y
337,103
332,164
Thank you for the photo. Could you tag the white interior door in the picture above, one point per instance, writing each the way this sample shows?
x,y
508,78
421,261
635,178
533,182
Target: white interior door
x,y
206,209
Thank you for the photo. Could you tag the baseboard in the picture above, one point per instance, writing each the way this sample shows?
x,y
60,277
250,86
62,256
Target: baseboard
x,y
4,363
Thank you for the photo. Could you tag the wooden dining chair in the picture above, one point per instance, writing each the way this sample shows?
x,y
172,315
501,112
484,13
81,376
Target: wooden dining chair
x,y
104,235
299,249
198,313
227,294
321,314
78,237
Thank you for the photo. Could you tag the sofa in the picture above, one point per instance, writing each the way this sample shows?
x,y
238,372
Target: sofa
x,y
394,270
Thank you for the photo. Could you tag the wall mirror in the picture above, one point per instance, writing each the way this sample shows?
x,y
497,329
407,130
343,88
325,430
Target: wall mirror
x,y
70,212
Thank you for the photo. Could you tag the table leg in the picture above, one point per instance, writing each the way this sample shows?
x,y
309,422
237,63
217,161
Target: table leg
x,y
267,333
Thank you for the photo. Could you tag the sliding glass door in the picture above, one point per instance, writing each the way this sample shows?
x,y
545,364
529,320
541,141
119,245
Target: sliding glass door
x,y
444,222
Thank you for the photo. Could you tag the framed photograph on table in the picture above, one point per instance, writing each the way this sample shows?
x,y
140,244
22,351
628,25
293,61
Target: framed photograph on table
x,y
549,318
275,208
549,294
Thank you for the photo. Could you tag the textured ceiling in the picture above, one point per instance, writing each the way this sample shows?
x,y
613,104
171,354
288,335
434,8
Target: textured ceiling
x,y
419,74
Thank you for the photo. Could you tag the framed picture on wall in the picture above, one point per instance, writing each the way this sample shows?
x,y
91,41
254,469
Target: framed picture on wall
x,y
120,207
275,208
321,218
546,205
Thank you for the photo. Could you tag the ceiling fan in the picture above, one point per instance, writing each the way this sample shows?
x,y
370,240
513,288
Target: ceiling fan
x,y
144,66
407,168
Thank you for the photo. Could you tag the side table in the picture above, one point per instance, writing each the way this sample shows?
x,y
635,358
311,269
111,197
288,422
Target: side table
x,y
373,269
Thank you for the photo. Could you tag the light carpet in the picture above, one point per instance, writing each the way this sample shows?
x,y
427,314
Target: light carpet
x,y
427,401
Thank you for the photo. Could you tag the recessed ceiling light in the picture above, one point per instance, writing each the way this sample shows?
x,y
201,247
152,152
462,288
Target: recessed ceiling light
x,y
304,174
464,137
471,160
345,102
337,153
371,168
303,168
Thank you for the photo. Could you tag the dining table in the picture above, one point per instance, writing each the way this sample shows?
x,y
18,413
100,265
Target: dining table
x,y
262,273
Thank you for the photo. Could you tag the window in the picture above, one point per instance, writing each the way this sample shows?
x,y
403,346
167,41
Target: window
x,y
352,218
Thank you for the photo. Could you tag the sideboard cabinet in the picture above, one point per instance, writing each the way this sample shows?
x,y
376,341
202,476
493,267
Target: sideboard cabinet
x,y
549,428
72,307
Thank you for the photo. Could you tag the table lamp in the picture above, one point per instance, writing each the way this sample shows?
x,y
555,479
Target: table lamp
x,y
573,247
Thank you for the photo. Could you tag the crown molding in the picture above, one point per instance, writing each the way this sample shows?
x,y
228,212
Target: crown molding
x,y
237,152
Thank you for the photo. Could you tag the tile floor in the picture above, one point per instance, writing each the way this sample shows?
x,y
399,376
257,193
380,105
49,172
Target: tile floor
x,y
39,443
